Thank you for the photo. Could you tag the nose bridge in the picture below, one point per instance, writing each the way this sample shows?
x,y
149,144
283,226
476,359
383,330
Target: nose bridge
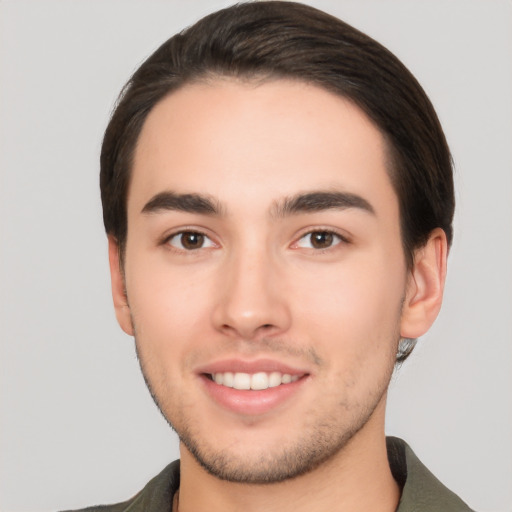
x,y
250,300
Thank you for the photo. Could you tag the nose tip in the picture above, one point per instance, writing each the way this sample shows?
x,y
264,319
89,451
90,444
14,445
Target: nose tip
x,y
249,327
250,304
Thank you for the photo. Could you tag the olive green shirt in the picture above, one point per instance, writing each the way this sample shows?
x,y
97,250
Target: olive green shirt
x,y
421,490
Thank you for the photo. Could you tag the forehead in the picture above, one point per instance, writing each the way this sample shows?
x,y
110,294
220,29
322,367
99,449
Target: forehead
x,y
232,139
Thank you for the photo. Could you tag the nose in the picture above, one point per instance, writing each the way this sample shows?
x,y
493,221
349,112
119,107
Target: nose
x,y
252,300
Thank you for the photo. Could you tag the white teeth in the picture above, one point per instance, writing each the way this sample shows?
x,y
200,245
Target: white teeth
x,y
274,379
228,379
255,381
259,381
242,381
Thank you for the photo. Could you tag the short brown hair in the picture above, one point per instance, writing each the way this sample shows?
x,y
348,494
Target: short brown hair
x,y
274,39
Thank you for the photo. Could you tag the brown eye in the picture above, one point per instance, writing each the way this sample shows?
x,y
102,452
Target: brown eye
x,y
190,240
319,240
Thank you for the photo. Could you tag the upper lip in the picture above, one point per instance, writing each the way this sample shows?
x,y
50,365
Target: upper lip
x,y
252,366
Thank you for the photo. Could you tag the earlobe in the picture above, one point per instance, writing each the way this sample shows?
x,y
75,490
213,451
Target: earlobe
x,y
118,288
425,287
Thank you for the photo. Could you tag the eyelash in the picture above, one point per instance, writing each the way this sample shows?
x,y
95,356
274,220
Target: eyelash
x,y
167,240
341,239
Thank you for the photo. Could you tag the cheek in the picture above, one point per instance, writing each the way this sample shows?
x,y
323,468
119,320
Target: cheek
x,y
169,316
168,305
355,305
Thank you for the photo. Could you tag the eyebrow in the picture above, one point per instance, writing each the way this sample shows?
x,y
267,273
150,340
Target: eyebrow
x,y
320,200
299,203
190,203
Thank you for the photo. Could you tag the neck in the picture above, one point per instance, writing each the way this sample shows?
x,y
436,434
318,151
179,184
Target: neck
x,y
357,478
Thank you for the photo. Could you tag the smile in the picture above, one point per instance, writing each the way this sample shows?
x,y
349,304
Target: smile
x,y
255,381
252,388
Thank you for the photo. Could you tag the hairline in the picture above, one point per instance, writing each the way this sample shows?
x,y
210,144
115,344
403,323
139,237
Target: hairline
x,y
259,78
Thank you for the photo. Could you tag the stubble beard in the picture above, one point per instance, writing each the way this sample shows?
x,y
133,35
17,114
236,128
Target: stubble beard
x,y
313,448
317,443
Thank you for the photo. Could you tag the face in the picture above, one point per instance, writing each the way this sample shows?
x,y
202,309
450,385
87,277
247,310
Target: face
x,y
264,272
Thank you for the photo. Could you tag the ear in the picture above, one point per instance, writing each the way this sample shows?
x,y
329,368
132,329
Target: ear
x,y
118,288
425,286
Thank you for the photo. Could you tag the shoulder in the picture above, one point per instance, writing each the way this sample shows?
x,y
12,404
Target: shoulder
x,y
156,496
421,490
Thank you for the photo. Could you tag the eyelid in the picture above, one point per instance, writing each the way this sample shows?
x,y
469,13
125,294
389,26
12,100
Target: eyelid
x,y
185,229
343,237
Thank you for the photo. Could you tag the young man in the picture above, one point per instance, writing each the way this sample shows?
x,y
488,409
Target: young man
x,y
278,197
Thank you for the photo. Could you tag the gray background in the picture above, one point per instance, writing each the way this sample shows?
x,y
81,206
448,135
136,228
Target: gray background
x,y
77,424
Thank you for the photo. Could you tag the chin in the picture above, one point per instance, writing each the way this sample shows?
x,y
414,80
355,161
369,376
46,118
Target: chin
x,y
251,462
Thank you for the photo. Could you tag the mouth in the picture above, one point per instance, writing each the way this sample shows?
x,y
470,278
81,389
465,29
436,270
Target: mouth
x,y
256,381
252,388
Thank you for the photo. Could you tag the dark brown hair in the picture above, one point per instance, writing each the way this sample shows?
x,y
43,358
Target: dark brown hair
x,y
271,40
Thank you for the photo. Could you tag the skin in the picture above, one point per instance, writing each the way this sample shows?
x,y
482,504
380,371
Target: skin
x,y
255,287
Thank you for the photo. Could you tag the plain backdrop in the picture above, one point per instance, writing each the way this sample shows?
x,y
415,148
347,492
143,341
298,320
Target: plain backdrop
x,y
78,426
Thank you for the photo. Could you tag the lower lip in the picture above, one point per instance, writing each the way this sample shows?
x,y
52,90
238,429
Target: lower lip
x,y
251,402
